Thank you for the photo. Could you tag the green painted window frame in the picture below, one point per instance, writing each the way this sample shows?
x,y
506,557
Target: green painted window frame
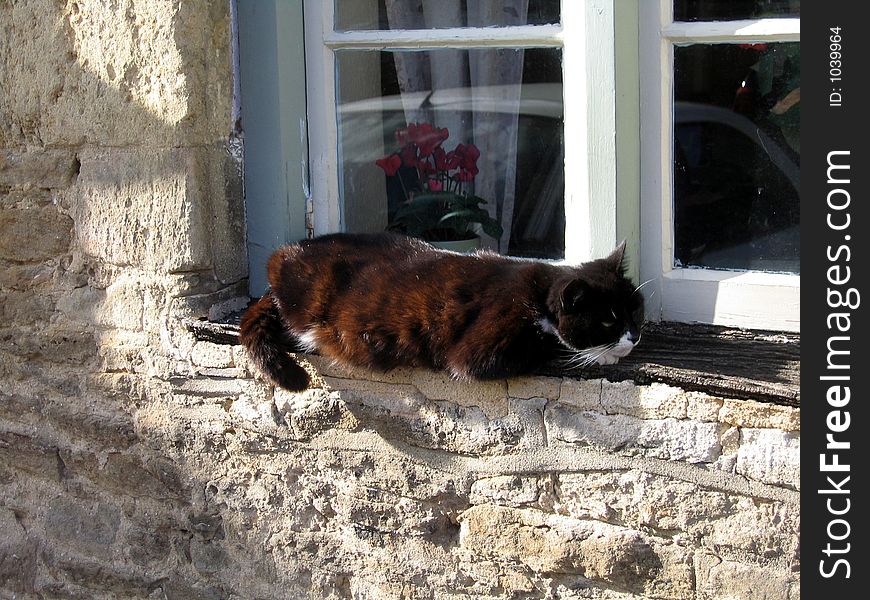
x,y
271,74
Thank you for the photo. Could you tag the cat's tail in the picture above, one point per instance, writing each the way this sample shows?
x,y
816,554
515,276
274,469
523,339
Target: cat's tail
x,y
266,340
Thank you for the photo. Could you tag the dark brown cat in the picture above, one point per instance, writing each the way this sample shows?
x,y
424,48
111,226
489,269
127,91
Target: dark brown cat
x,y
382,301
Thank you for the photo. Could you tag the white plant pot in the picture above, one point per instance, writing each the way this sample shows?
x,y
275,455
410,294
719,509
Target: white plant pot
x,y
463,246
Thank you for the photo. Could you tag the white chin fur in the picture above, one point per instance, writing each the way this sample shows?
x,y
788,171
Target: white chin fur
x,y
621,349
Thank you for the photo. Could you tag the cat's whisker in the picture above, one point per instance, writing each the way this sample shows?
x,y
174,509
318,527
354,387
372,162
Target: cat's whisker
x,y
638,288
604,350
589,356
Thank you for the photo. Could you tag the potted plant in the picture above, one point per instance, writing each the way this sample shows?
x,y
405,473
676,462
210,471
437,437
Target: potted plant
x,y
432,188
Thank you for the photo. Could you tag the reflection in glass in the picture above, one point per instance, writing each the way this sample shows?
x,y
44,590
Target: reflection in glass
x,y
737,156
407,120
441,14
732,10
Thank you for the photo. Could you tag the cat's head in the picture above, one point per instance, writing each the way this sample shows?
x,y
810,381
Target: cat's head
x,y
598,310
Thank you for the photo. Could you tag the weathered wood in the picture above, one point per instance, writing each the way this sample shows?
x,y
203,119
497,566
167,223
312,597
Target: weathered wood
x,y
716,360
215,332
721,361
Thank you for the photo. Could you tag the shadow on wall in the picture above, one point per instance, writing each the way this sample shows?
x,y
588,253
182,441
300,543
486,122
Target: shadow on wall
x,y
120,205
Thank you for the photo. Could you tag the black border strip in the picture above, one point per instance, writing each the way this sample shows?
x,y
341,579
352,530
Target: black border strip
x,y
834,257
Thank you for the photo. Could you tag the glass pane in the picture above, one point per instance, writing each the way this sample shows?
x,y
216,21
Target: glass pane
x,y
737,156
424,134
732,10
440,14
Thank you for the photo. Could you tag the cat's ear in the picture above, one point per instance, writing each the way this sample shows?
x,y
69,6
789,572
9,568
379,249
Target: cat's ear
x,y
616,259
572,295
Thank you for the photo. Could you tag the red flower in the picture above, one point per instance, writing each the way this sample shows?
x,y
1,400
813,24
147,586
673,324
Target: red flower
x,y
467,156
409,155
390,164
440,157
426,137
464,175
420,149
425,167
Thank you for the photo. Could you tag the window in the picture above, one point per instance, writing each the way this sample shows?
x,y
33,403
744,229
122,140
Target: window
x,y
495,74
682,140
720,123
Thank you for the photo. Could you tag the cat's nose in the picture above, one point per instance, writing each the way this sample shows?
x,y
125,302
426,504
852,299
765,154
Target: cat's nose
x,y
633,335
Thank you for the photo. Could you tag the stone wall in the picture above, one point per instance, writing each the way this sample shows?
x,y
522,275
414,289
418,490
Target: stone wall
x,y
138,462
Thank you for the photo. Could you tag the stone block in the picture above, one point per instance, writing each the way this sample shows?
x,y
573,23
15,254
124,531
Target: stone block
x,y
582,393
330,368
489,396
669,439
98,73
36,457
688,441
759,415
398,411
215,356
142,208
120,305
505,490
701,407
26,277
26,307
770,456
641,500
18,555
767,531
88,527
606,554
242,360
34,234
125,474
654,401
47,169
534,387
313,411
718,578
257,412
530,412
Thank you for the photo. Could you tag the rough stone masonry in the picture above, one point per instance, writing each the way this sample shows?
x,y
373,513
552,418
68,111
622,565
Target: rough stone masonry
x,y
138,462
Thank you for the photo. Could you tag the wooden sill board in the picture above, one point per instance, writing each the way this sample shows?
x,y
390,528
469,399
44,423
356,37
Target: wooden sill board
x,y
720,361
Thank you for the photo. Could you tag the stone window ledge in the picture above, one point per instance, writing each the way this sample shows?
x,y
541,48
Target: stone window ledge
x,y
720,361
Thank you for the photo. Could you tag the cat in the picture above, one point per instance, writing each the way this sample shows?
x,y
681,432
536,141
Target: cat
x,y
382,301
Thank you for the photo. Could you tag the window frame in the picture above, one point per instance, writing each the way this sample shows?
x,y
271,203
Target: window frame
x,y
754,300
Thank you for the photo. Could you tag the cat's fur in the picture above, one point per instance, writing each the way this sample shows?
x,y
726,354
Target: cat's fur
x,y
382,301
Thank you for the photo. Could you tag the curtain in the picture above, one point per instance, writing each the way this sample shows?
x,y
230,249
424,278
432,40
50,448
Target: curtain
x,y
499,70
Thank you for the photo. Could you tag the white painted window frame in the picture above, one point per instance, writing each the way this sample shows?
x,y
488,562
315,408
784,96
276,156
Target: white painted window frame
x,y
586,37
739,299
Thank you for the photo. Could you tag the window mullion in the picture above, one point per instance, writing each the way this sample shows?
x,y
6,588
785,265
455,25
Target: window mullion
x,y
320,83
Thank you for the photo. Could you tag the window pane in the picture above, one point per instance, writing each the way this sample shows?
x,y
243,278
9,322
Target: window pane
x,y
415,125
731,10
440,14
737,156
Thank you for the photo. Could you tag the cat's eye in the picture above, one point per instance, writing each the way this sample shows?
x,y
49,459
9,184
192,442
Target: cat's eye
x,y
608,323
